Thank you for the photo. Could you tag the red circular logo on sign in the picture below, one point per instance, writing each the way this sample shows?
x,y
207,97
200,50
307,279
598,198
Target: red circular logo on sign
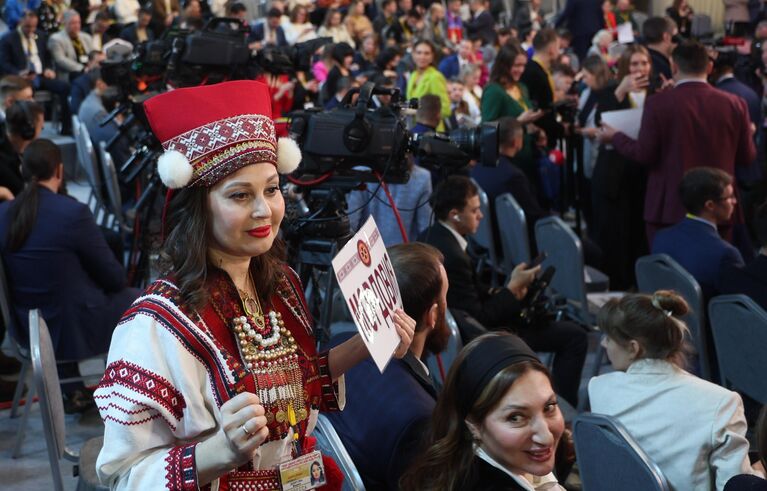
x,y
363,251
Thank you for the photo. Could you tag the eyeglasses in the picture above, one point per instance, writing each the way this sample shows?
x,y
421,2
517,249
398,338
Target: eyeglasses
x,y
727,198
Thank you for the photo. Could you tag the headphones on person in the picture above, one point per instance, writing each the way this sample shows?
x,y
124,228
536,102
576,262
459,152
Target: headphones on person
x,y
456,218
27,128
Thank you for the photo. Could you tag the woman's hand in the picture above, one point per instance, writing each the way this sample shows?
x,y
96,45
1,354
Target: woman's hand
x,y
530,116
243,429
405,326
631,83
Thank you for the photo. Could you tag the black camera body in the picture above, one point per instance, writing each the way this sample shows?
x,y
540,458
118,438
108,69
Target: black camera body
x,y
373,144
356,141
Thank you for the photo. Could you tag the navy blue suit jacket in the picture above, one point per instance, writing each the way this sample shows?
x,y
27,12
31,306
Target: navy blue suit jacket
x,y
13,60
753,172
698,248
583,18
449,66
384,421
750,280
66,269
258,32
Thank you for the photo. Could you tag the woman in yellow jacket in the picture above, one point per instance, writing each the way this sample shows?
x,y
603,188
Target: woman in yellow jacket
x,y
426,79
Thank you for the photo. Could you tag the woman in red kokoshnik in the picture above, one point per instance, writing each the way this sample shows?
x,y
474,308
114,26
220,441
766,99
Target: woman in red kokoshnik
x,y
205,368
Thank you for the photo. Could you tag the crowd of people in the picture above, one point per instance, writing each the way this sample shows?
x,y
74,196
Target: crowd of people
x,y
214,375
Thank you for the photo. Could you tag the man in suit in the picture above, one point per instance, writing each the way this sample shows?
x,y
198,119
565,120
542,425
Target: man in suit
x,y
140,31
659,34
481,24
723,78
70,47
508,178
750,279
65,268
387,24
709,198
13,88
692,125
23,52
540,81
383,424
583,18
450,66
457,210
269,32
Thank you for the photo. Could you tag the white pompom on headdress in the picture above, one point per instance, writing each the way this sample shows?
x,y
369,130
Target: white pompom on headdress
x,y
288,155
175,169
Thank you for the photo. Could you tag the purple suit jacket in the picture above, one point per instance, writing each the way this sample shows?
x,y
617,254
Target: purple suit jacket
x,y
692,125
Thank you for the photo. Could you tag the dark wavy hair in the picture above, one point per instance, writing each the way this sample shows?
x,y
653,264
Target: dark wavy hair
x,y
501,73
446,465
185,253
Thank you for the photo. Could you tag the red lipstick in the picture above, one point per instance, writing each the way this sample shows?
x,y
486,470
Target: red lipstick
x,y
260,232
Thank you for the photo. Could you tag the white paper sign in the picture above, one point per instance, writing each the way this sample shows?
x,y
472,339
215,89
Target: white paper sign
x,y
627,121
625,33
366,277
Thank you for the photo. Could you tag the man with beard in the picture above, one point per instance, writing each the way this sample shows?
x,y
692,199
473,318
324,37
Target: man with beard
x,y
382,424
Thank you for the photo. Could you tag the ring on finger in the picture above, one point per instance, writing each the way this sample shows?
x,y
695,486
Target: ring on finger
x,y
248,433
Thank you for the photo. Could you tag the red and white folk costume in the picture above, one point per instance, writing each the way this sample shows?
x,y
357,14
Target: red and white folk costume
x,y
171,368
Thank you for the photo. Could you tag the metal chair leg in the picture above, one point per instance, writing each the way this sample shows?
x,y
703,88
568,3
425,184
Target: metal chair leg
x,y
19,388
20,432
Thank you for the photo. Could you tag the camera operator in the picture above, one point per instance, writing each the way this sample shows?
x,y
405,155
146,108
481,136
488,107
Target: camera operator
x,y
456,207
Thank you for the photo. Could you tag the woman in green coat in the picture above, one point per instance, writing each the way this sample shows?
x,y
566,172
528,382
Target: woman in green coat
x,y
505,95
426,79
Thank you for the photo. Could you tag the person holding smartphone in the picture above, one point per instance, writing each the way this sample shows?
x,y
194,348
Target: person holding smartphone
x,y
457,210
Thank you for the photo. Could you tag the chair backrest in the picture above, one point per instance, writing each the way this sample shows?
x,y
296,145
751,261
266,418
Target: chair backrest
x,y
89,161
76,129
564,252
447,357
739,328
112,183
610,459
512,226
330,444
47,385
661,272
484,234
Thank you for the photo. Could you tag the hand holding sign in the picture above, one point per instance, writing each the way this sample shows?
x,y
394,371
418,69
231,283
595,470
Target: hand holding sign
x,y
405,326
366,277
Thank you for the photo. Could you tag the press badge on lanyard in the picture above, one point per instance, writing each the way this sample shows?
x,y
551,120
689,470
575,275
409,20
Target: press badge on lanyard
x,y
302,473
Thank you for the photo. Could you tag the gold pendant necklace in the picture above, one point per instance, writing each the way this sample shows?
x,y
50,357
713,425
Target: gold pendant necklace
x,y
252,306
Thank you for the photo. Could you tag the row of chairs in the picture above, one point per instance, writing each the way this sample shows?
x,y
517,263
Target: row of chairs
x,y
105,199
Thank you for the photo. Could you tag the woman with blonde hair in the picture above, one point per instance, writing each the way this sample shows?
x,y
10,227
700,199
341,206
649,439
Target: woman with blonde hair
x,y
333,27
694,430
357,23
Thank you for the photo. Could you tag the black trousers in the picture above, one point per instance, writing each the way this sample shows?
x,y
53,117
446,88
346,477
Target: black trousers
x,y
569,343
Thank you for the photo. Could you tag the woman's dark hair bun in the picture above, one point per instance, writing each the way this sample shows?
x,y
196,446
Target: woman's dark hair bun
x,y
671,301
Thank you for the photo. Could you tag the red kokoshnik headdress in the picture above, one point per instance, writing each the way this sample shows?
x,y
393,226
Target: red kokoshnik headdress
x,y
211,131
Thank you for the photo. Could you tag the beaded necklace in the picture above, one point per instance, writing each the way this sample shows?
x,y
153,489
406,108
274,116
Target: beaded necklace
x,y
269,353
